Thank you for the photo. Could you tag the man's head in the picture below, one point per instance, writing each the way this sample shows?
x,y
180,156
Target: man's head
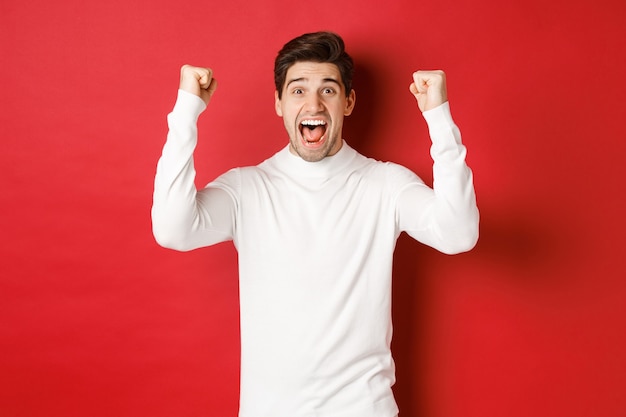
x,y
323,47
313,75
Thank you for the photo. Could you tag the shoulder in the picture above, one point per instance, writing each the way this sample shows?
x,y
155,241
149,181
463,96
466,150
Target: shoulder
x,y
389,172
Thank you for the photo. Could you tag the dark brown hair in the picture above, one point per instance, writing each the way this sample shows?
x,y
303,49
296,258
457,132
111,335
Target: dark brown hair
x,y
324,47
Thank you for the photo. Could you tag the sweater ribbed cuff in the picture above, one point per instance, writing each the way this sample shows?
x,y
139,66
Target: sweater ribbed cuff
x,y
188,105
439,117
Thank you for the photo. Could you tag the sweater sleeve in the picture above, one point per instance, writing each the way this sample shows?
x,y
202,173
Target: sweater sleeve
x,y
445,217
183,218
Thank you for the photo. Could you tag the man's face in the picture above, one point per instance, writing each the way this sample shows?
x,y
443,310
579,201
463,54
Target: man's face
x,y
313,106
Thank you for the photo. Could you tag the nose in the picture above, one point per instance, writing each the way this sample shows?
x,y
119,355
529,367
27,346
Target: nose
x,y
314,103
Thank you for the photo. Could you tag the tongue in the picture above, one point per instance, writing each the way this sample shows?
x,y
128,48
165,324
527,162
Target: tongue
x,y
313,134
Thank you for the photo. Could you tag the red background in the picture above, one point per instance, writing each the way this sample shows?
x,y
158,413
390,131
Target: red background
x,y
97,320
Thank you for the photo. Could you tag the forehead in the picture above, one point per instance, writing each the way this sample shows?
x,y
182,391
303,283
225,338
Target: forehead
x,y
311,72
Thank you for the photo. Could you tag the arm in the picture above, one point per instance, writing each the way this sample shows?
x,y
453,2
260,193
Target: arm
x,y
182,217
445,217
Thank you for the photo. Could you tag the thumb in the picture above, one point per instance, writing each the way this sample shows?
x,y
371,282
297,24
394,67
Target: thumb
x,y
207,91
419,94
413,89
204,77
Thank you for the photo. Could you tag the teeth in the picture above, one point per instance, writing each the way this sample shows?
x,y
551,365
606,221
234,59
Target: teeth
x,y
313,122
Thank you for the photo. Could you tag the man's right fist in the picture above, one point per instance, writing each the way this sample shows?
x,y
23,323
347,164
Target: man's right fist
x,y
198,81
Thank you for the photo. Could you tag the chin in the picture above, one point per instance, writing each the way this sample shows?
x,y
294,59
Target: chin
x,y
312,156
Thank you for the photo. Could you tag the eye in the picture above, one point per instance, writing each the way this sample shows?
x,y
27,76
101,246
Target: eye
x,y
328,91
297,91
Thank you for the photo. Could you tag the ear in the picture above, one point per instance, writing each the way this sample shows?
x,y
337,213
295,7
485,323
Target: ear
x,y
277,107
350,102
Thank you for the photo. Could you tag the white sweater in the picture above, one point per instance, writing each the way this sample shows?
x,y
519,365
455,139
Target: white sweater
x,y
315,244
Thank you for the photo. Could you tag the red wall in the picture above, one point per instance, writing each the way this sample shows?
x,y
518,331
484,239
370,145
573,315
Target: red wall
x,y
97,320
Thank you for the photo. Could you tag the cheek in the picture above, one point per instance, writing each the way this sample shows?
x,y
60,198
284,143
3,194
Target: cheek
x,y
289,123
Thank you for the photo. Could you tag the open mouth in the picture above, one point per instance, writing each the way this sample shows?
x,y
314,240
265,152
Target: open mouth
x,y
312,130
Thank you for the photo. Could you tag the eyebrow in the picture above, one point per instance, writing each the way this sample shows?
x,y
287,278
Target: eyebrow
x,y
326,80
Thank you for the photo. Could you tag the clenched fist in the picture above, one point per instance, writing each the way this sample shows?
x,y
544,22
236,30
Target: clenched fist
x,y
429,88
198,81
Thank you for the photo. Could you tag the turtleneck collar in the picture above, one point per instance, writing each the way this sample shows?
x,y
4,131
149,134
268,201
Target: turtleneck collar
x,y
327,167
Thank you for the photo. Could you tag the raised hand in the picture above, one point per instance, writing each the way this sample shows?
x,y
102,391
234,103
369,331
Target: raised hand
x,y
429,89
198,81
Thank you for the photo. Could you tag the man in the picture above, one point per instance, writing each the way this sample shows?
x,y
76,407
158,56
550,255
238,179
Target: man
x,y
315,228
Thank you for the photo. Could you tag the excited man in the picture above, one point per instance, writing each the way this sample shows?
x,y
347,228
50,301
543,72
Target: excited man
x,y
315,227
